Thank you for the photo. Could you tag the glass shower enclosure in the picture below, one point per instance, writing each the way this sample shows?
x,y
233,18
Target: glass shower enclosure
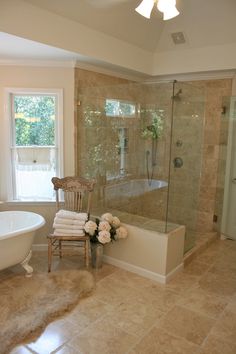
x,y
226,175
142,143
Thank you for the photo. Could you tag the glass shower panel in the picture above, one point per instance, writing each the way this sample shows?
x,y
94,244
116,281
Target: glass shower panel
x,y
124,134
226,176
186,159
223,146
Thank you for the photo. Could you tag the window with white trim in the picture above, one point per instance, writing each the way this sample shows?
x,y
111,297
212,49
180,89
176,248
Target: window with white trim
x,y
35,143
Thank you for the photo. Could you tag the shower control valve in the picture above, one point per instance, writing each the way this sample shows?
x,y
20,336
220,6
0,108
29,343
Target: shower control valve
x,y
178,162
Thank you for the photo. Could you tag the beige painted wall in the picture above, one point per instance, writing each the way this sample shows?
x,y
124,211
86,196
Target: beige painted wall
x,y
195,60
40,77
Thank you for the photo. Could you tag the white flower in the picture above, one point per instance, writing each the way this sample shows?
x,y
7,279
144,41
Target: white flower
x,y
104,237
104,226
115,222
121,232
90,227
107,217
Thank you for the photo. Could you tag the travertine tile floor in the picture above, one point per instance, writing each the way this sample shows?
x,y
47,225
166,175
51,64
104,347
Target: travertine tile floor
x,y
194,313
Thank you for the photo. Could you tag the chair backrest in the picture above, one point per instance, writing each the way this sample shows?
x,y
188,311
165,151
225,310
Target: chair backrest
x,y
77,193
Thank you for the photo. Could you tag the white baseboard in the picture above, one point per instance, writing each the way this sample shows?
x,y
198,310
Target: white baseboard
x,y
163,279
40,247
173,273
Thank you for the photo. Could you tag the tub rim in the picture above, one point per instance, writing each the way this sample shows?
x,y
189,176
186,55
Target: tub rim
x,y
23,230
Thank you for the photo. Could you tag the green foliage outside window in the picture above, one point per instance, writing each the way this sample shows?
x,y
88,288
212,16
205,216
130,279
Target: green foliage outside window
x,y
34,120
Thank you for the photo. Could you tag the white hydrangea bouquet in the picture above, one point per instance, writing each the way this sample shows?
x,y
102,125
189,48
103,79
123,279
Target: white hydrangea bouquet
x,y
105,230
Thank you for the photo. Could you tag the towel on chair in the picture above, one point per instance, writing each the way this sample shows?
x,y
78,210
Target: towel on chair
x,y
68,232
64,221
67,214
67,226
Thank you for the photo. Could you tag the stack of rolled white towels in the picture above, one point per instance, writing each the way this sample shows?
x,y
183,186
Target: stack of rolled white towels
x,y
69,223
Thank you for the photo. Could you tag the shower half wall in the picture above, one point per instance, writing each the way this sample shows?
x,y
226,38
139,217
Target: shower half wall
x,y
142,144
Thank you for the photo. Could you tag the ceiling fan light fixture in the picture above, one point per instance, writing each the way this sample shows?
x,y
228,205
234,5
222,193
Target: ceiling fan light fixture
x,y
164,5
170,13
145,8
167,7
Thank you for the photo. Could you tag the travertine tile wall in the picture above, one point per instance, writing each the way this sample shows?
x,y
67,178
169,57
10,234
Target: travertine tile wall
x,y
215,90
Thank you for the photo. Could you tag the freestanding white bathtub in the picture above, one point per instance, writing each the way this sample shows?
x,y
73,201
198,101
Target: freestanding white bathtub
x,y
17,230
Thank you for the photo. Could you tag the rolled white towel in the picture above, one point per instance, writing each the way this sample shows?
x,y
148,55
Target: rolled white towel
x,y
71,215
67,232
68,227
64,221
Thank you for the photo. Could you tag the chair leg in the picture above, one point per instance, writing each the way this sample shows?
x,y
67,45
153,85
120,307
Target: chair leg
x,y
60,253
49,255
86,246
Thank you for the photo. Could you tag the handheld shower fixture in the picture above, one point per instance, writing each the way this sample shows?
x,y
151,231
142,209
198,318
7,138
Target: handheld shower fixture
x,y
177,95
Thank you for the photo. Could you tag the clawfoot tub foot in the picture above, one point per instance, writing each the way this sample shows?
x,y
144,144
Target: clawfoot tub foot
x,y
25,264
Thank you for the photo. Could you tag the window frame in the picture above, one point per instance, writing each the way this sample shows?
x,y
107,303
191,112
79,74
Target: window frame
x,y
9,133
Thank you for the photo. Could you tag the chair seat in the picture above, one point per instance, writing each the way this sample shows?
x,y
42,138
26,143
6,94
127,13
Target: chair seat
x,y
67,237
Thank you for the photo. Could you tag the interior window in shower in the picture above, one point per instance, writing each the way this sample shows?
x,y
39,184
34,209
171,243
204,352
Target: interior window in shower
x,y
118,108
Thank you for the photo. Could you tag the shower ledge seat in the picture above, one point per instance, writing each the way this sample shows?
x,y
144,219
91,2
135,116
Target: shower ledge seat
x,y
154,255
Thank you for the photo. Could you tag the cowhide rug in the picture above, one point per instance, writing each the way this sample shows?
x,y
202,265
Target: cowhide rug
x,y
27,305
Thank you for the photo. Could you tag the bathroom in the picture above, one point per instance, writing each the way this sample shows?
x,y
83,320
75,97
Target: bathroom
x,y
206,204
166,165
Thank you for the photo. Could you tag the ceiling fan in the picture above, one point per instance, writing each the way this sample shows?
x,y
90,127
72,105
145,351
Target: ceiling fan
x,y
167,7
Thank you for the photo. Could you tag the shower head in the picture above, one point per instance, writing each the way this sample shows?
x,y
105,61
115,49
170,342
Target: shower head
x,y
177,95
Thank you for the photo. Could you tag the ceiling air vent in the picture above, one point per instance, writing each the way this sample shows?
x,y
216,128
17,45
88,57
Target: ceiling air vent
x,y
178,38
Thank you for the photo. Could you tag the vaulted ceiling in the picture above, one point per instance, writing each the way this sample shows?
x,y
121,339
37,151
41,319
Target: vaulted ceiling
x,y
112,33
204,22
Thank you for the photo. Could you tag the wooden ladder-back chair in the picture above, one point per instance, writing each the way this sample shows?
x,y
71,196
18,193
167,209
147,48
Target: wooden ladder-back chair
x,y
77,192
